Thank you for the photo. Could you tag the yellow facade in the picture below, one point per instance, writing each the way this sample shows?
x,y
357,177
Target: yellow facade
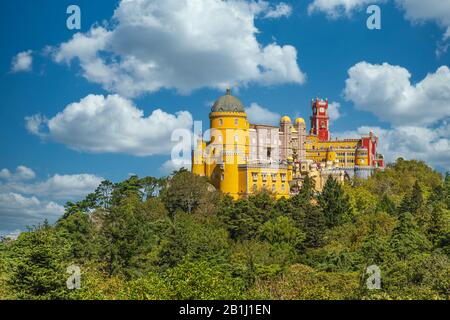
x,y
224,159
344,152
242,158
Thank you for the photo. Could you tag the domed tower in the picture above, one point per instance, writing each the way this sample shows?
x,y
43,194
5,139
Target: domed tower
x,y
300,125
230,143
285,128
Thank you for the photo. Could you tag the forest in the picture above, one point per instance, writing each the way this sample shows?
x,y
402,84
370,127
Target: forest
x,y
176,238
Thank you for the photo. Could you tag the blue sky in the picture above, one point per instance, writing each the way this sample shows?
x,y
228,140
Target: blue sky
x,y
276,55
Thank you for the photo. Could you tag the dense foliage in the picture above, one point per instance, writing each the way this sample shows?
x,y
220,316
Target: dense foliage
x,y
178,238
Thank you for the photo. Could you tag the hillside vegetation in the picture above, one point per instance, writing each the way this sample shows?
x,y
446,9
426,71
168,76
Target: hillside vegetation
x,y
174,238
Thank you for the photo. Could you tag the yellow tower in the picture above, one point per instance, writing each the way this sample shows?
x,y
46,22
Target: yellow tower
x,y
229,144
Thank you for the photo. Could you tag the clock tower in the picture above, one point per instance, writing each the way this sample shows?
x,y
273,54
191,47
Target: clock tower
x,y
320,120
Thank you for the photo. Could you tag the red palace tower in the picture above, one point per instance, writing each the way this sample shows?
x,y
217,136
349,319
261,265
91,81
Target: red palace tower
x,y
320,120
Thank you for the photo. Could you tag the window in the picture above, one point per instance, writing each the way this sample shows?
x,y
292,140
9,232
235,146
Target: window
x,y
220,122
255,176
236,138
283,187
255,188
274,177
274,187
269,153
264,176
283,177
222,177
236,122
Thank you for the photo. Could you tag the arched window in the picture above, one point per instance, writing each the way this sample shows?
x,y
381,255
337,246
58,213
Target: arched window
x,y
220,122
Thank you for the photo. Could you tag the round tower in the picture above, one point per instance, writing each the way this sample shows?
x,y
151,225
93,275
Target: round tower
x,y
230,133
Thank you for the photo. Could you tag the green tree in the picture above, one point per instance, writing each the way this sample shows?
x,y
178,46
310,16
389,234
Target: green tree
x,y
200,280
387,205
128,236
315,227
335,203
186,192
282,230
39,259
189,236
437,225
80,230
243,218
406,238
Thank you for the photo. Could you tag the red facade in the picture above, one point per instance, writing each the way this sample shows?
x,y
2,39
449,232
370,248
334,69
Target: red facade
x,y
320,121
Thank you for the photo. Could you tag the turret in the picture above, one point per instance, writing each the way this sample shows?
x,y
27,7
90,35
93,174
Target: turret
x,y
320,119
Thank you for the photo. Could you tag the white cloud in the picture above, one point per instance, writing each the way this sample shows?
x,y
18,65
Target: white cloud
x,y
416,11
35,124
5,174
22,173
334,111
111,124
260,115
431,145
337,8
281,10
18,211
182,45
170,166
22,62
12,235
387,92
63,187
24,202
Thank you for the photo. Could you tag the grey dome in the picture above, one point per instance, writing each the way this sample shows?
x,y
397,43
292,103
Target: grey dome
x,y
228,103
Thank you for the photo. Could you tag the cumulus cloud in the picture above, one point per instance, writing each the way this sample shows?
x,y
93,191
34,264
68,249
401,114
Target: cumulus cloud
x,y
63,187
170,166
25,202
334,110
418,113
111,124
431,145
337,8
22,62
12,235
387,92
22,173
416,11
260,115
281,10
18,211
182,45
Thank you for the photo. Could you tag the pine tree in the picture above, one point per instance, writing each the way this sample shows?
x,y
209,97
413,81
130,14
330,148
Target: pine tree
x,y
416,199
307,190
406,238
447,190
335,203
436,226
315,227
40,258
387,205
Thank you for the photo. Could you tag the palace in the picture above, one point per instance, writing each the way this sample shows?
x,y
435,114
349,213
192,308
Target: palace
x,y
243,158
